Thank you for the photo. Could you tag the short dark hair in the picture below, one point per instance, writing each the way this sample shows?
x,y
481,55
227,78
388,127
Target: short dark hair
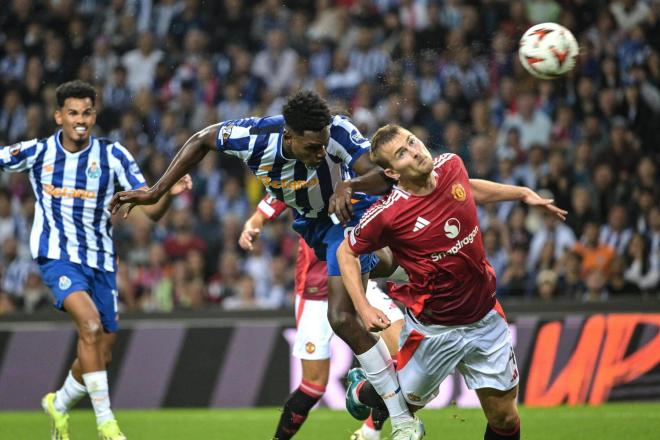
x,y
382,136
306,110
74,89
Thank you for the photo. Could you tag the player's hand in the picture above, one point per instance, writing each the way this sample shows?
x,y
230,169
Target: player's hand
x,y
340,202
184,184
533,199
142,196
374,319
248,237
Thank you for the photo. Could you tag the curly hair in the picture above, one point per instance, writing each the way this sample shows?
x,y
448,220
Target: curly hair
x,y
74,89
306,110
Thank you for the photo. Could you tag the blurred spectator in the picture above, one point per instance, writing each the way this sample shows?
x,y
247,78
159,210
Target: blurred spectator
x,y
580,210
140,63
571,282
275,64
12,65
232,106
13,123
616,232
617,284
534,126
644,270
468,71
117,94
15,271
546,285
209,230
629,13
554,231
269,15
183,239
244,298
495,251
342,80
516,281
595,254
366,57
596,288
232,201
224,282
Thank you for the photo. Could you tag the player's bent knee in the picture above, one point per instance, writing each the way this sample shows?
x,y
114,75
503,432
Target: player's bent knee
x,y
91,331
504,420
341,321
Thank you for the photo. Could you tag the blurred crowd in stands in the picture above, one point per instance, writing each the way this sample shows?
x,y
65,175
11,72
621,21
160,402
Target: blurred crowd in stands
x,y
447,69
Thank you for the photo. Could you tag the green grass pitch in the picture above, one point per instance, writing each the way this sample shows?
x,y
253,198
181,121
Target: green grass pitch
x,y
638,421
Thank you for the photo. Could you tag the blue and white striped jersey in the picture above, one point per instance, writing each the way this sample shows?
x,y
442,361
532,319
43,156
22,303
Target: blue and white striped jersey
x,y
258,142
73,190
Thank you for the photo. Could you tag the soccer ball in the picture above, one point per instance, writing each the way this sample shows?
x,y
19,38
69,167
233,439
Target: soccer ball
x,y
548,50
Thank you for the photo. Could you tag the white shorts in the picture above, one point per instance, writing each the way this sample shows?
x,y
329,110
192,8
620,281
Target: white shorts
x,y
482,352
313,329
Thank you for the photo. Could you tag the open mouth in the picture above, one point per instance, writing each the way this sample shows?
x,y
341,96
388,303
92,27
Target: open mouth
x,y
81,130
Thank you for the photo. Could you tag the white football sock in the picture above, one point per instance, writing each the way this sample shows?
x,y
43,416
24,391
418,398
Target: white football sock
x,y
97,387
370,433
70,393
377,364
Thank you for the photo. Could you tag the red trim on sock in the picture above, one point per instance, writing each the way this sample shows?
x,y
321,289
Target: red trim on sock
x,y
370,422
314,386
311,389
408,349
505,433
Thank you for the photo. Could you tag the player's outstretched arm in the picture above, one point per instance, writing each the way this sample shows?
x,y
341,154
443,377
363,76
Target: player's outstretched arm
x,y
251,230
189,155
485,191
370,179
349,264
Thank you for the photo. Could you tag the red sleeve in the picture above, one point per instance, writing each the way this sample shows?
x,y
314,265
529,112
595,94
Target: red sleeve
x,y
270,207
366,236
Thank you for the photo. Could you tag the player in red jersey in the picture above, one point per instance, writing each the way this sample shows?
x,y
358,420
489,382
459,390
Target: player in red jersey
x,y
453,320
312,343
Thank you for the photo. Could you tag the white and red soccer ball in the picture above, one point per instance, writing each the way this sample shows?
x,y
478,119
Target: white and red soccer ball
x,y
548,50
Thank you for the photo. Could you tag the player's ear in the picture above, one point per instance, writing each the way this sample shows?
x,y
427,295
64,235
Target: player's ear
x,y
58,117
389,172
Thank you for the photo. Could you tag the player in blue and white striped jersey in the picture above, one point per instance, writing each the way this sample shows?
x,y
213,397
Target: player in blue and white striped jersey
x,y
74,176
315,163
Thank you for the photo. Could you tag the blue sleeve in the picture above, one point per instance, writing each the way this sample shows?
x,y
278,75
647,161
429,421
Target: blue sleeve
x,y
128,172
346,141
20,156
233,137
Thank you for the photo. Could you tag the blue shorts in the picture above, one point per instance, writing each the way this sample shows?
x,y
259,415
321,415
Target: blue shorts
x,y
322,235
64,278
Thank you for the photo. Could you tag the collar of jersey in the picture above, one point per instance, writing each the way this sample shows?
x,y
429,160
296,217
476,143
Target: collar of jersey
x,y
61,147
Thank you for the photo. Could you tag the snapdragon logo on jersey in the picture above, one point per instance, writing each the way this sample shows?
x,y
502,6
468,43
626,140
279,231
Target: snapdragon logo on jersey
x,y
469,239
420,223
452,228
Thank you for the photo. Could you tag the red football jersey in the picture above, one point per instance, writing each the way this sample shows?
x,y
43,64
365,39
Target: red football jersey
x,y
311,273
436,239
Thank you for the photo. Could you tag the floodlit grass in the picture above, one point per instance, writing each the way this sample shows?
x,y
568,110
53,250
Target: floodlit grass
x,y
614,421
